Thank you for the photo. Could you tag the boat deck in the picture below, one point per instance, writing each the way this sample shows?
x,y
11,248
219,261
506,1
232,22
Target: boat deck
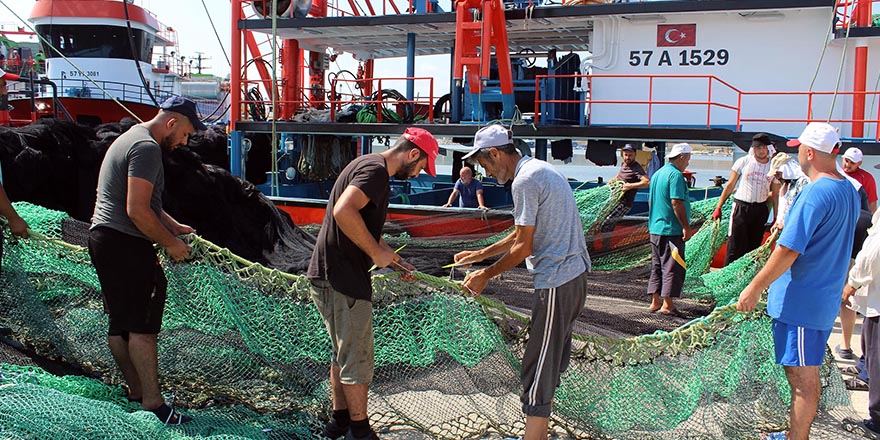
x,y
561,28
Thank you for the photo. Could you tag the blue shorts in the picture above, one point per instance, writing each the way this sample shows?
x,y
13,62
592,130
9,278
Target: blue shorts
x,y
799,346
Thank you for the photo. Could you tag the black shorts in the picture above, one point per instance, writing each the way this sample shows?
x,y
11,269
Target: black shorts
x,y
132,281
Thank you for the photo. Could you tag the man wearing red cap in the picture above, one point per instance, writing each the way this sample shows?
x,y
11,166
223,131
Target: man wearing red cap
x,y
350,242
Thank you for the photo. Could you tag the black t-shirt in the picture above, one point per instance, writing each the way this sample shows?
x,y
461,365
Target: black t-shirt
x,y
630,174
336,258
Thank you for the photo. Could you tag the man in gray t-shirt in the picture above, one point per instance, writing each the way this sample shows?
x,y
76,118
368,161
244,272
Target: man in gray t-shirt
x,y
128,219
549,237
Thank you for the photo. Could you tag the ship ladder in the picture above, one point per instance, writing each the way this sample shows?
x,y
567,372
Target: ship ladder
x,y
474,39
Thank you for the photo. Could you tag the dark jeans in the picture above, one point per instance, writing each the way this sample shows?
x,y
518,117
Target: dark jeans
x,y
746,229
871,348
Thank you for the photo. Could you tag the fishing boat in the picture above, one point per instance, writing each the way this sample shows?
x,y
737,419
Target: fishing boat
x,y
597,73
104,60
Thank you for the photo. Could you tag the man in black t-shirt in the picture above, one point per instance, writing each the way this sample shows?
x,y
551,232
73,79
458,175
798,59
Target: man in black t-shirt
x,y
349,242
633,177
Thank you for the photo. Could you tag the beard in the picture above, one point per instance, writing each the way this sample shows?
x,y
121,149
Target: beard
x,y
406,171
165,143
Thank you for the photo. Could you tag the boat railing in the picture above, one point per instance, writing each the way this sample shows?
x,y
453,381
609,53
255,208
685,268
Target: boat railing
x,y
725,105
71,88
97,89
849,13
387,97
345,92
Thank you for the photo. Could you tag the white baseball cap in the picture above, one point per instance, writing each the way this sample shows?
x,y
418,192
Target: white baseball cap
x,y
677,150
494,135
818,135
853,154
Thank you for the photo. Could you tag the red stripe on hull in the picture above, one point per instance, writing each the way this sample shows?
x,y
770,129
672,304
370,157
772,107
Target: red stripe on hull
x,y
428,225
91,9
84,110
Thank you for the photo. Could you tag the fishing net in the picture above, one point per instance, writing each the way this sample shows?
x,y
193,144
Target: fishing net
x,y
246,354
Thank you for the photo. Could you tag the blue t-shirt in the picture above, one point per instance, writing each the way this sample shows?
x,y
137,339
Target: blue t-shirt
x,y
819,226
666,184
467,194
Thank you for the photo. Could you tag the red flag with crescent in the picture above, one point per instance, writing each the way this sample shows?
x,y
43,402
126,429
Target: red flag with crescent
x,y
676,35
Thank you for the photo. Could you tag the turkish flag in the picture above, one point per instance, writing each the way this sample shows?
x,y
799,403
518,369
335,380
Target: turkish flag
x,y
676,35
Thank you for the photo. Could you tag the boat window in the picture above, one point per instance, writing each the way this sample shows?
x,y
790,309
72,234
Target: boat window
x,y
90,41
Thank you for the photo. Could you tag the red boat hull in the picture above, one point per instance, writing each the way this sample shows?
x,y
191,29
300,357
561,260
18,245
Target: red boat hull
x,y
86,111
423,222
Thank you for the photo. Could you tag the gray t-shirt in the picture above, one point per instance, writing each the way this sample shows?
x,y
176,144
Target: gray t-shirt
x,y
542,198
133,154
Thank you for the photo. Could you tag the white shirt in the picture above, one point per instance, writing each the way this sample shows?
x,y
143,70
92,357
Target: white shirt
x,y
753,185
865,273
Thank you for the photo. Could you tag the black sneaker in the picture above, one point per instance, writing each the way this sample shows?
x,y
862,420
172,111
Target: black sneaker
x,y
845,353
333,431
371,436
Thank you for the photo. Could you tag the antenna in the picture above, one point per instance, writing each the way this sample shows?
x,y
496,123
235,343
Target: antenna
x,y
199,58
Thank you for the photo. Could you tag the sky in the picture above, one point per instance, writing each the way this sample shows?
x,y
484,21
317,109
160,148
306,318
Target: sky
x,y
195,34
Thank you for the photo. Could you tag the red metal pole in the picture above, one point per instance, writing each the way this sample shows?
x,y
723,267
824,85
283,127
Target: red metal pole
x,y
292,82
709,106
650,98
235,88
859,85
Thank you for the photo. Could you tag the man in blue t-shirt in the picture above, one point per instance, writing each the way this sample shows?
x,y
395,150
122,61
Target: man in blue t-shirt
x,y
470,189
670,207
807,271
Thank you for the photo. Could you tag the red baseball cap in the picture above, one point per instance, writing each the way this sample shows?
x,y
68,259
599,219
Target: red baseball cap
x,y
427,143
9,76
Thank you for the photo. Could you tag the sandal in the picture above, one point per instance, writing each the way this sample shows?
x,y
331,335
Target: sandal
x,y
169,416
850,370
855,384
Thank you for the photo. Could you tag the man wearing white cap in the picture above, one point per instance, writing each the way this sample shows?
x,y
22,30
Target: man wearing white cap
x,y
556,255
805,272
851,164
755,186
669,225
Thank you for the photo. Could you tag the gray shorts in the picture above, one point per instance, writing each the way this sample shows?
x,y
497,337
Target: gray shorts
x,y
349,323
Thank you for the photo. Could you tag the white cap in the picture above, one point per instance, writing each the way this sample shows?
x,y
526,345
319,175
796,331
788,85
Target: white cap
x,y
677,150
853,154
817,135
791,170
494,135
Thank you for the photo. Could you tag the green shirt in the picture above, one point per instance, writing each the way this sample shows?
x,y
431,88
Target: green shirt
x,y
666,184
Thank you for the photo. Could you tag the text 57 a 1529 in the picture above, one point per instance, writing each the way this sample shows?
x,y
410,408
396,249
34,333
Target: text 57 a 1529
x,y
684,57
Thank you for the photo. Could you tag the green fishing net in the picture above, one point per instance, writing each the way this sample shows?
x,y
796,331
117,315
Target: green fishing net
x,y
244,352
